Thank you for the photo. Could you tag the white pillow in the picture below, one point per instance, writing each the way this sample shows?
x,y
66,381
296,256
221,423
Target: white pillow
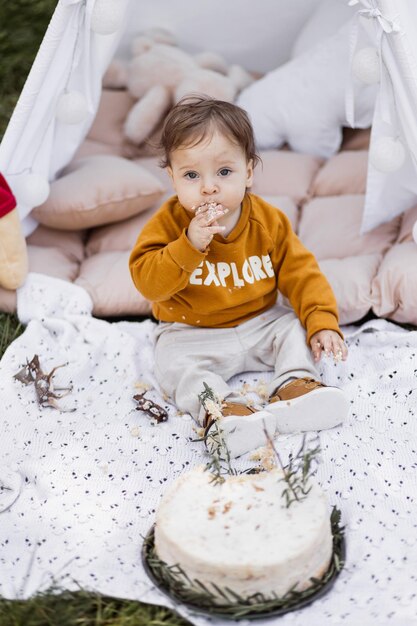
x,y
302,103
328,17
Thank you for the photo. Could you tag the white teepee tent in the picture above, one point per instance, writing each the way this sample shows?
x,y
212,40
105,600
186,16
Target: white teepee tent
x,y
61,95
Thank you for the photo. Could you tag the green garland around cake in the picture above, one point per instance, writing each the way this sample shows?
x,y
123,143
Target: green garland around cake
x,y
172,580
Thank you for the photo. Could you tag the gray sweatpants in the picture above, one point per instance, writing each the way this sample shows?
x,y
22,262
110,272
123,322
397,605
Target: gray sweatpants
x,y
186,356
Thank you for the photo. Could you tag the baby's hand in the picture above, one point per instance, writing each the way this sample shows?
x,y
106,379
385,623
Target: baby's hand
x,y
204,225
331,342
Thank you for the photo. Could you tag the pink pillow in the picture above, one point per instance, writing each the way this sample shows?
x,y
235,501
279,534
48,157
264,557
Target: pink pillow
x,y
329,227
287,206
394,288
285,173
117,237
409,218
112,111
98,190
8,300
107,279
69,242
151,164
52,262
342,174
351,280
92,148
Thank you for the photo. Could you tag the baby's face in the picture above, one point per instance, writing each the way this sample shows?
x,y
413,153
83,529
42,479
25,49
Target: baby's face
x,y
214,170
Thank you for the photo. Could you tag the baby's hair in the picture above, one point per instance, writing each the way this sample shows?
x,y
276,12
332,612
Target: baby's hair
x,y
195,117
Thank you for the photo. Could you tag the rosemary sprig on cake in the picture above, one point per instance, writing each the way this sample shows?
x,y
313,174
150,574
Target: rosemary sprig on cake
x,y
298,471
296,474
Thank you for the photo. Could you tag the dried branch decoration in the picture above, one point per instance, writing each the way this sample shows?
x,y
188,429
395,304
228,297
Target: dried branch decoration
x,y
44,388
155,411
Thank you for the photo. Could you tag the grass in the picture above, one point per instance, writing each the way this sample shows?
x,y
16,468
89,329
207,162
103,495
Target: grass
x,y
10,328
83,609
22,26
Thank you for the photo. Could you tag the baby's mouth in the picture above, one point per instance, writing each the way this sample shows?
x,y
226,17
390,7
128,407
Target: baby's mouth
x,y
210,207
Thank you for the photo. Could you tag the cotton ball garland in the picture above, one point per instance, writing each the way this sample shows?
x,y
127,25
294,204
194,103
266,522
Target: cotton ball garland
x,y
107,16
31,190
387,154
366,66
71,107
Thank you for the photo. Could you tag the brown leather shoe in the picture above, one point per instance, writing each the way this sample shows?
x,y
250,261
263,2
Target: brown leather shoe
x,y
242,426
307,404
295,388
228,408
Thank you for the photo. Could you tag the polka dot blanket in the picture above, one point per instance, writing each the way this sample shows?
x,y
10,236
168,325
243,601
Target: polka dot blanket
x,y
79,485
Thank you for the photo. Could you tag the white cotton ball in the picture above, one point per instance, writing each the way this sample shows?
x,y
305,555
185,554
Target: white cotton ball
x,y
415,232
387,154
366,66
31,190
107,16
71,107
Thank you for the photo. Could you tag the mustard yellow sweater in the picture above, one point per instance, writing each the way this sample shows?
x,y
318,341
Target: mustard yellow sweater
x,y
237,277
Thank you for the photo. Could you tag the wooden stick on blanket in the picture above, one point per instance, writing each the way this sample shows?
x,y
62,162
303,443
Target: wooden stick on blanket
x,y
45,391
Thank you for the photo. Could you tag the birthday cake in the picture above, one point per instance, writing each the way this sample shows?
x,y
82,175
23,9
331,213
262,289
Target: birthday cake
x,y
242,535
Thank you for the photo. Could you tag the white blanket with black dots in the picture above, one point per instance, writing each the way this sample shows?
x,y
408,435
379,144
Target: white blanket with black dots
x,y
79,488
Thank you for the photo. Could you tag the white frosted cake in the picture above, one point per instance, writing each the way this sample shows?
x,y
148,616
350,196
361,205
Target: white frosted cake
x,y
241,535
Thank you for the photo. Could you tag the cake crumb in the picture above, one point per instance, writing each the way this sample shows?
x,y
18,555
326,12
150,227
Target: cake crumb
x,y
261,389
142,386
265,455
212,512
227,507
135,431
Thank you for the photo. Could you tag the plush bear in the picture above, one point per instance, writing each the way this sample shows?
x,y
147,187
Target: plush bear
x,y
160,74
13,253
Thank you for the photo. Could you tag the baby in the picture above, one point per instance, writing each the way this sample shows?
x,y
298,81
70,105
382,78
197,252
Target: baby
x,y
212,260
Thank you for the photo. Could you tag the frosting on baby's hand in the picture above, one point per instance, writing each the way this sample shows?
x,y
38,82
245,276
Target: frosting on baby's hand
x,y
211,208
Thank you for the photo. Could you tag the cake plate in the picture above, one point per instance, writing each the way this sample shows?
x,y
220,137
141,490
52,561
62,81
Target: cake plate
x,y
174,583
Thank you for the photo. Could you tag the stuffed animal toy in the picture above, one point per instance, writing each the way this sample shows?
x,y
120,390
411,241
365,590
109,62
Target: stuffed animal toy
x,y
160,74
13,252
